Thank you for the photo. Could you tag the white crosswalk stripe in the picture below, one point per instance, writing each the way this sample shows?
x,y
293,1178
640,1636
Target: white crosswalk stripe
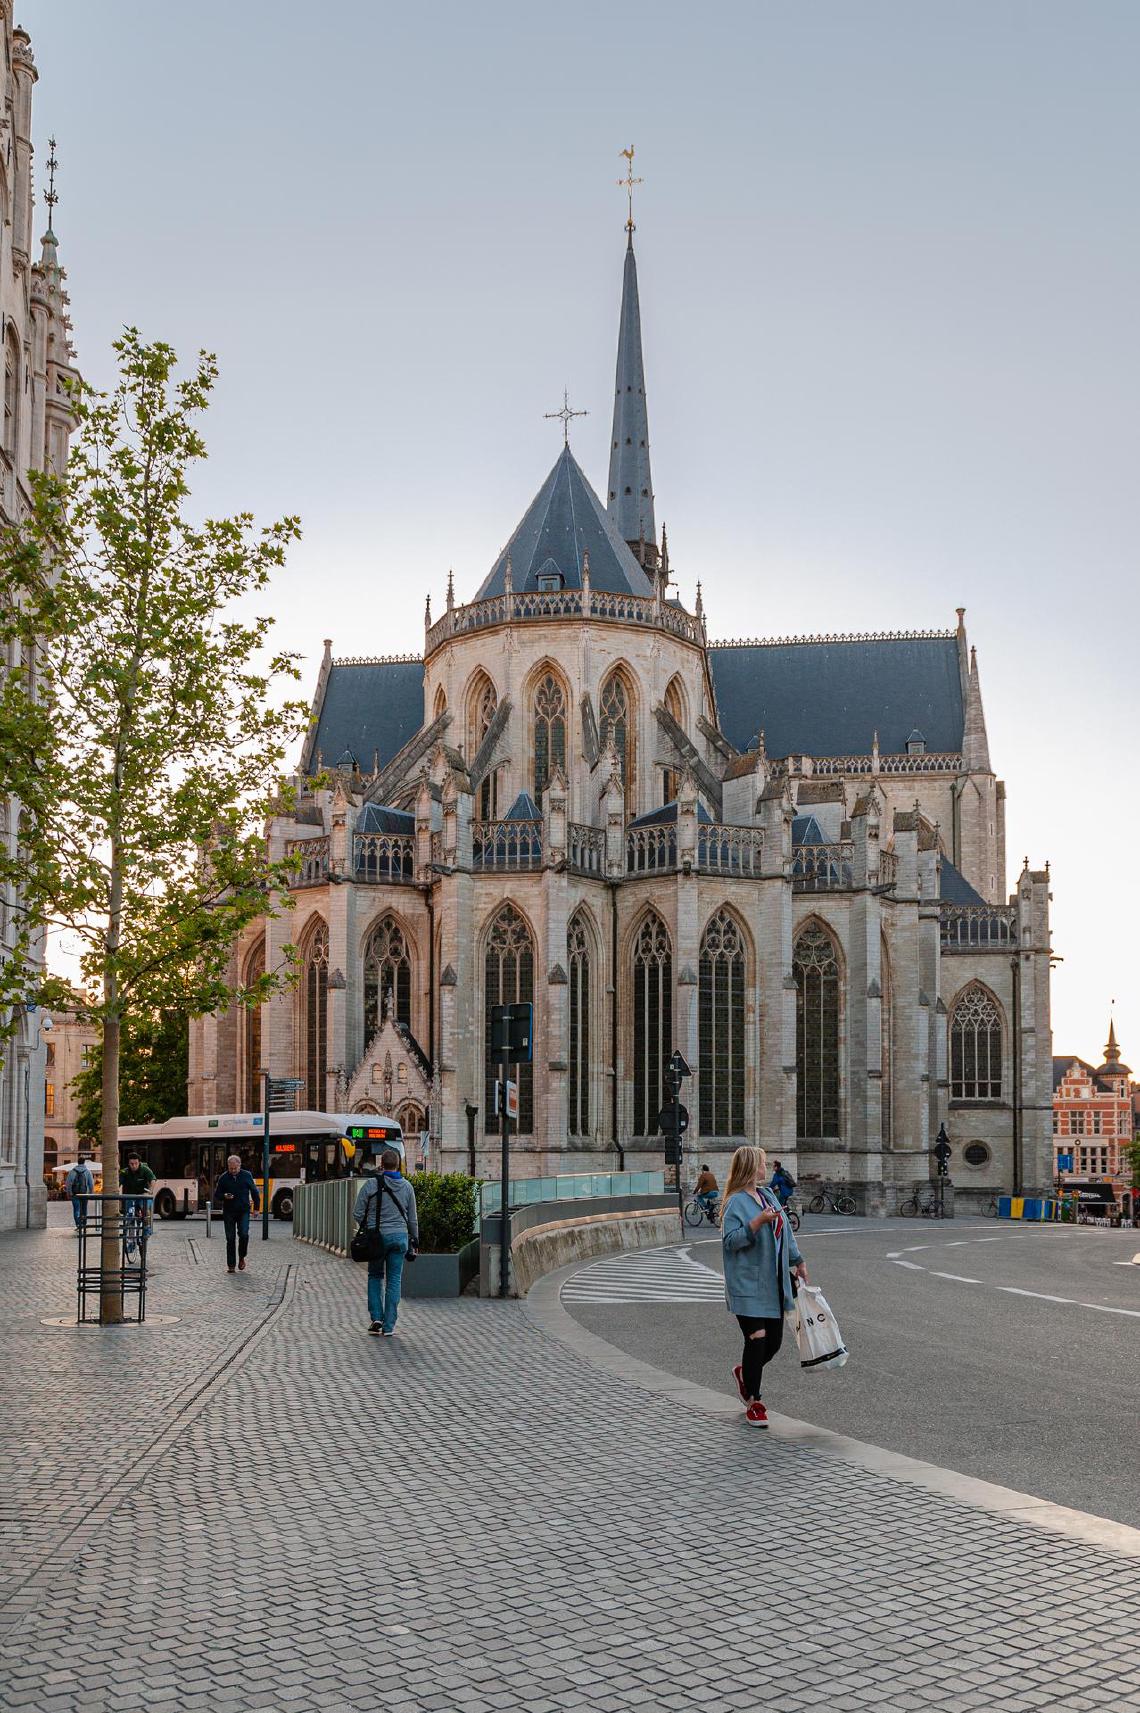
x,y
646,1276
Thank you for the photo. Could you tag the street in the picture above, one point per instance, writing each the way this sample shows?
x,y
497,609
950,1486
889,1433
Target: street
x,y
1002,1351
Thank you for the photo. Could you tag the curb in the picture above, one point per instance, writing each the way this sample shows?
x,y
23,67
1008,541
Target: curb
x,y
544,1304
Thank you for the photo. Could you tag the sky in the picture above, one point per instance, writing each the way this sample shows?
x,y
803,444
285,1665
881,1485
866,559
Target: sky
x,y
889,265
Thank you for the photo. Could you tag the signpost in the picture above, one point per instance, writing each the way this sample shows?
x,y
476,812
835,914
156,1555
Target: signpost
x,y
672,1123
942,1155
278,1095
512,1043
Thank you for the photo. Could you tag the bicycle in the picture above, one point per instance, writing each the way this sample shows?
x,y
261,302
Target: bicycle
x,y
135,1233
696,1213
989,1209
915,1208
831,1201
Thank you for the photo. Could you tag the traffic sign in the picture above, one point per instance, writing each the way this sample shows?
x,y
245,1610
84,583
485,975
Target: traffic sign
x,y
512,1032
678,1066
1064,1162
673,1119
512,1099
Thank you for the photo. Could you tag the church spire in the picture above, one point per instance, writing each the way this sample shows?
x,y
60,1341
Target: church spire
x,y
630,490
975,743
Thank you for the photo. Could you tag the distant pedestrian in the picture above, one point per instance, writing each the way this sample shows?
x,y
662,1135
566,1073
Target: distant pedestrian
x,y
79,1184
782,1183
386,1207
235,1193
760,1258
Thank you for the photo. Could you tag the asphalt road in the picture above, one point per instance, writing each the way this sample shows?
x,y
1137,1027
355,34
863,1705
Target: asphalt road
x,y
963,1371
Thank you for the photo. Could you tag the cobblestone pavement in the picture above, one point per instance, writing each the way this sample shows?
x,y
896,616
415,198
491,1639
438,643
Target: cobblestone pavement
x,y
472,1517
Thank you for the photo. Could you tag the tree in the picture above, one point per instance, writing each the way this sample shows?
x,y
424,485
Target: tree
x,y
1133,1155
142,730
154,1050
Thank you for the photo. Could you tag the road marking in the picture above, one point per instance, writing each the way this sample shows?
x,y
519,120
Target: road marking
x,y
895,1257
1042,1296
913,1265
958,1278
1103,1308
648,1276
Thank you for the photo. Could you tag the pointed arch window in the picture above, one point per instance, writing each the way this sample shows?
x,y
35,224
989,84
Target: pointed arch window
x,y
387,970
508,979
315,1002
251,1032
975,1047
886,1026
652,1021
549,713
721,1019
816,971
578,968
482,707
616,727
11,392
675,708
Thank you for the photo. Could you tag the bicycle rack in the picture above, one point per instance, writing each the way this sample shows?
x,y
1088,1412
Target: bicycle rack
x,y
126,1280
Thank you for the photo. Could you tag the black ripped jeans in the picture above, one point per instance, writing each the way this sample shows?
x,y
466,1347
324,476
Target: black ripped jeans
x,y
758,1351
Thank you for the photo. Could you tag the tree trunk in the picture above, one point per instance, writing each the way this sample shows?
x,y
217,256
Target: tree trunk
x,y
111,1257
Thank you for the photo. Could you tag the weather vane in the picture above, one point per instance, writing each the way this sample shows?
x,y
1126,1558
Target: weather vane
x,y
51,196
627,183
565,416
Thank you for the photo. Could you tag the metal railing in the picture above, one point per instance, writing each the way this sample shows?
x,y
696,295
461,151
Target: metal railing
x,y
575,1186
977,927
585,848
512,846
384,858
314,855
823,868
322,1213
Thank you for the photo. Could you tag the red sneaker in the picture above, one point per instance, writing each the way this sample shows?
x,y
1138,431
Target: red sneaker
x,y
757,1414
738,1376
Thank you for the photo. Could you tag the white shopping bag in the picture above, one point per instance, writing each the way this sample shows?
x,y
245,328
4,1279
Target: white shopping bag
x,y
817,1335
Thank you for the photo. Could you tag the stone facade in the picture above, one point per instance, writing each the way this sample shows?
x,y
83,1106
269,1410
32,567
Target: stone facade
x,y
1093,1123
37,424
72,1045
563,816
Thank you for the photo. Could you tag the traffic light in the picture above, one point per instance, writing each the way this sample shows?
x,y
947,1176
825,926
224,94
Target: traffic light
x,y
512,1032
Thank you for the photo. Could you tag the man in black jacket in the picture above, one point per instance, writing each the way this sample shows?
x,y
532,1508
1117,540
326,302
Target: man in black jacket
x,y
235,1193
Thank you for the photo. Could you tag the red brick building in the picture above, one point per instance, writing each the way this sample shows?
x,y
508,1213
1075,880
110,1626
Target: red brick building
x,y
1093,1122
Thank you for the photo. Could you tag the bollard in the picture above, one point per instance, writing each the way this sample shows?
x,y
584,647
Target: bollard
x,y
209,1200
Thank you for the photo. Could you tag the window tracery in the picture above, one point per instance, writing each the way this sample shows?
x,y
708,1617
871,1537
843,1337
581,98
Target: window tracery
x,y
508,980
549,715
816,971
975,1047
578,967
387,970
721,1010
315,1001
652,1021
616,727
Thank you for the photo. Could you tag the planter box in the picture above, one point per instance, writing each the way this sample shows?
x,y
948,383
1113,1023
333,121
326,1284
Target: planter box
x,y
442,1275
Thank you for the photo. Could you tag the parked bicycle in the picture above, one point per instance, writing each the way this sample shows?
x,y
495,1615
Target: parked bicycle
x,y
832,1201
920,1205
989,1209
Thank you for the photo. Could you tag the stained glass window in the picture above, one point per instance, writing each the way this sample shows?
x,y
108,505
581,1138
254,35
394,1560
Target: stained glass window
x,y
509,979
816,973
387,969
616,727
549,732
482,707
721,1020
315,1001
578,961
251,1030
975,1047
652,1022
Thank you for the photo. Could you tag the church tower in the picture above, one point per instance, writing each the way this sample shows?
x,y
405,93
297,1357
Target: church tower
x,y
630,487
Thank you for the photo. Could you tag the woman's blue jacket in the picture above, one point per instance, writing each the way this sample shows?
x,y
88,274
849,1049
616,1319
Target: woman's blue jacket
x,y
753,1285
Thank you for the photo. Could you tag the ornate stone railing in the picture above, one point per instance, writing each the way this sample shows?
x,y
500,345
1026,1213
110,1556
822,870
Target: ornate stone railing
x,y
314,855
978,927
649,850
888,868
585,848
729,850
527,605
823,868
510,846
852,766
384,859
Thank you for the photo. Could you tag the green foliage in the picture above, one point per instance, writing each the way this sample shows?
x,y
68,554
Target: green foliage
x,y
1134,1162
154,1055
445,1202
145,731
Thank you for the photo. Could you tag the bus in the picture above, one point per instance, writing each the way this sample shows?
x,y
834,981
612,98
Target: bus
x,y
188,1155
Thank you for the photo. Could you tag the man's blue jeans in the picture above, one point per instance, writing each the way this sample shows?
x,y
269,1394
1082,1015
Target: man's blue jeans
x,y
237,1236
385,1275
79,1210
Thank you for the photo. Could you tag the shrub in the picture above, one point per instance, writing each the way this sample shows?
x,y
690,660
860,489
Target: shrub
x,y
445,1202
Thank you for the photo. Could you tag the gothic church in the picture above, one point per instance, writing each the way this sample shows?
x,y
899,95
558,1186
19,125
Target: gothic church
x,y
785,858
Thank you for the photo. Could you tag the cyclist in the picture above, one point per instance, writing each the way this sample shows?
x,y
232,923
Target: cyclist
x,y
782,1183
135,1180
708,1191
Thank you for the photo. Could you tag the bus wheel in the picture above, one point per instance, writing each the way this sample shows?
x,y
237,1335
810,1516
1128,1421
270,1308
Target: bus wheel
x,y
283,1206
165,1205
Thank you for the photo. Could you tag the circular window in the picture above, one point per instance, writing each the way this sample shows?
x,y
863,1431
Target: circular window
x,y
976,1154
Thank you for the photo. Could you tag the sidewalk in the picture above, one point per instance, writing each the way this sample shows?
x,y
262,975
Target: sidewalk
x,y
476,1517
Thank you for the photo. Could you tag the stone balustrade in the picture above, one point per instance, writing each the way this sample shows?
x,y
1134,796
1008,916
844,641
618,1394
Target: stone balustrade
x,y
542,605
977,927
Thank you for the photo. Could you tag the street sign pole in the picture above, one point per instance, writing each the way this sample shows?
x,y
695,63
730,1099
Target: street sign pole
x,y
504,1177
265,1160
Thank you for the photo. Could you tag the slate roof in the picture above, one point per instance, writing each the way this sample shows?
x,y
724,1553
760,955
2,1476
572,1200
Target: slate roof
x,y
667,816
369,705
956,889
630,483
830,697
806,830
564,520
379,818
1061,1065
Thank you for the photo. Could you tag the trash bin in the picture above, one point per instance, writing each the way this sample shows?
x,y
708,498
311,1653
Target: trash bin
x,y
126,1221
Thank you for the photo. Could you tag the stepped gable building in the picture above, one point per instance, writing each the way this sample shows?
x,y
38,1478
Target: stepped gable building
x,y
784,858
35,330
1093,1123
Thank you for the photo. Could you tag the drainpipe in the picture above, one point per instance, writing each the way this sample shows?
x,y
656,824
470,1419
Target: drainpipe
x,y
614,1025
1015,968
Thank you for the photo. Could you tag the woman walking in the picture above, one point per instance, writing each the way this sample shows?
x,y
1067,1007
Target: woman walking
x,y
761,1257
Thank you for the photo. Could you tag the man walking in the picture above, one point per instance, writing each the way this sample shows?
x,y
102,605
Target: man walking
x,y
235,1193
79,1184
386,1208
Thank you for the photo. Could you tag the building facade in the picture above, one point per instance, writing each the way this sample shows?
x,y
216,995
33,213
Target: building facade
x,y
1093,1123
35,332
70,1047
785,859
